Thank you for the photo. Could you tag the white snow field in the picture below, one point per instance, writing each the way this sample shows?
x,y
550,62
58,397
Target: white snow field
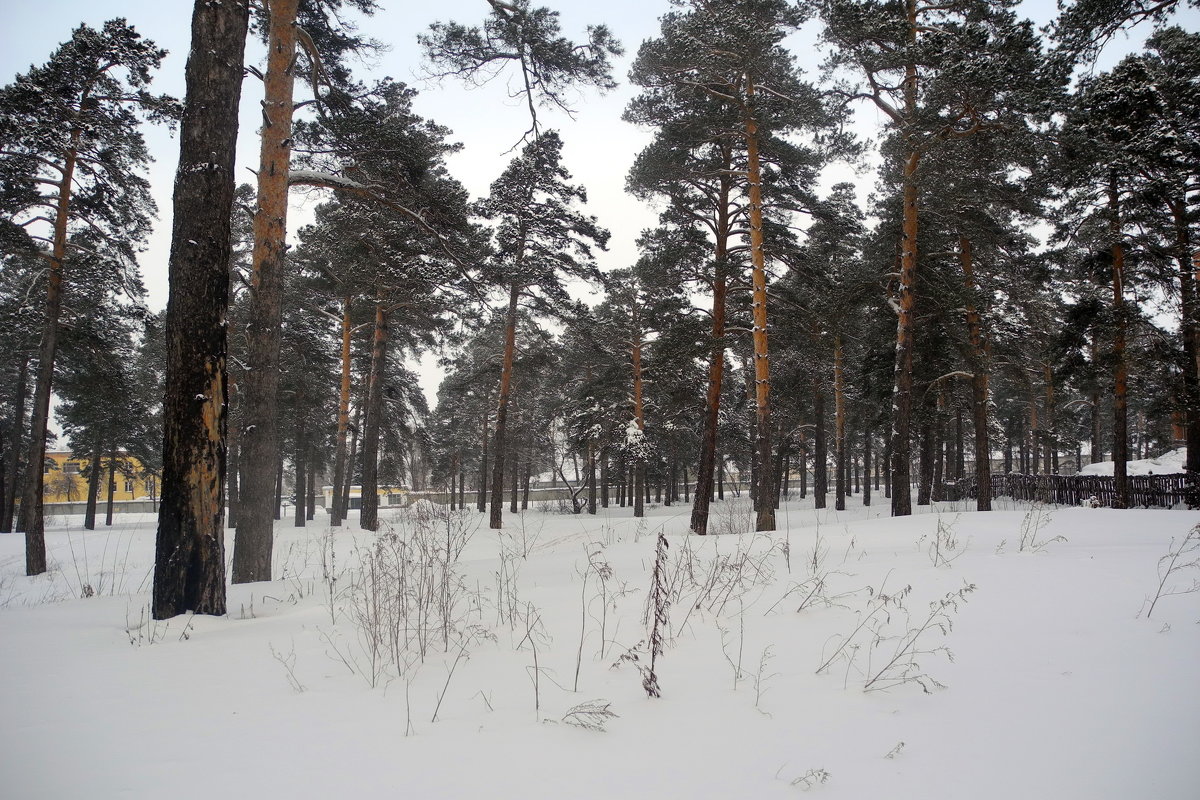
x,y
1036,673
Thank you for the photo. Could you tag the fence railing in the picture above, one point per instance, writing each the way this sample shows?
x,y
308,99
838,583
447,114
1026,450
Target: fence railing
x,y
1145,491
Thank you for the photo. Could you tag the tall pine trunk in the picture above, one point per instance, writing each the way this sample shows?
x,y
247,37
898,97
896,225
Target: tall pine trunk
x,y
762,371
301,479
496,519
706,471
89,512
839,404
9,506
1120,369
820,451
639,417
980,376
338,512
233,473
902,393
189,559
31,495
368,515
1188,329
260,431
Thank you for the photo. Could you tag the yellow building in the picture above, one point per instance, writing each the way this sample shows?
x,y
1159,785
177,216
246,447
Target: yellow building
x,y
64,478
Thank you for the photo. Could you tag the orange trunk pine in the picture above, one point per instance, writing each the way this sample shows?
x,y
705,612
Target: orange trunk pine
x,y
338,513
762,372
260,437
31,499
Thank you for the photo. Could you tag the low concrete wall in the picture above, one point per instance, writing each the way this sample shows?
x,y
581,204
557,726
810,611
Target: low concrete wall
x,y
119,507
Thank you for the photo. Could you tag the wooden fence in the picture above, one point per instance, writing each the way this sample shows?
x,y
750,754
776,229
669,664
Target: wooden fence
x,y
1145,491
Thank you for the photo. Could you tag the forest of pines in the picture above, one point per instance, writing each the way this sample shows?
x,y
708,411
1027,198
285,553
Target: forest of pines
x,y
1012,290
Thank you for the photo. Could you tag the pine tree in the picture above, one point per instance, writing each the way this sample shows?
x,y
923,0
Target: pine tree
x,y
540,241
938,72
729,57
72,154
189,563
295,29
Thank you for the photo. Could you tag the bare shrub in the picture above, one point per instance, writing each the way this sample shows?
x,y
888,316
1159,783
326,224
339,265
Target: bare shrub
x,y
593,715
1171,564
1036,518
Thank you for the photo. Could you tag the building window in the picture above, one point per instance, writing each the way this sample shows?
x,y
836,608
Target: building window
x,y
72,468
129,486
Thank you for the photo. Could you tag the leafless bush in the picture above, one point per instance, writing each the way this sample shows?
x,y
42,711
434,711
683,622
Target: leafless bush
x,y
886,625
409,595
593,715
810,779
762,677
1171,564
733,516
289,665
903,665
1036,518
944,547
658,606
815,590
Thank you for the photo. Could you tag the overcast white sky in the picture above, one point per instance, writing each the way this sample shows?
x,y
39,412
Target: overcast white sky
x,y
599,146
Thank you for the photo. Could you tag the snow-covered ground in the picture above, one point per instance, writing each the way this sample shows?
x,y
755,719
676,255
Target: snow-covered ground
x,y
1166,464
314,686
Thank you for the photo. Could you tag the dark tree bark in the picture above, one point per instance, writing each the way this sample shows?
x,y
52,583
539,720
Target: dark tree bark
x,y
866,484
301,480
311,500
189,562
481,499
233,474
89,513
980,377
821,452
591,477
1188,328
496,518
1120,369
368,518
925,484
9,505
712,408
639,416
351,459
839,440
31,495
